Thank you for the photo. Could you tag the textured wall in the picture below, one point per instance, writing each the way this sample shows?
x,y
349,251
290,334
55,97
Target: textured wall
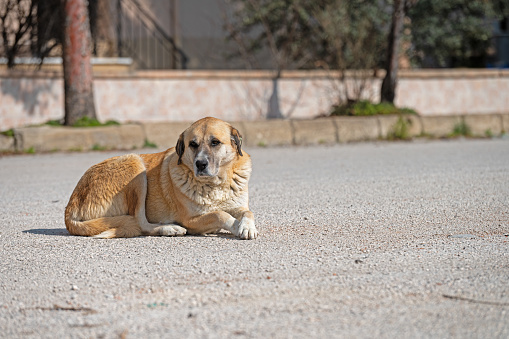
x,y
32,98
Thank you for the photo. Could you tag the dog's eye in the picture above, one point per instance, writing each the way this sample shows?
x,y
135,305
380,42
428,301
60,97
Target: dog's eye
x,y
193,144
215,142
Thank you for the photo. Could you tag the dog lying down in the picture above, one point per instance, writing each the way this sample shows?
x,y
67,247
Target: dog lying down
x,y
198,187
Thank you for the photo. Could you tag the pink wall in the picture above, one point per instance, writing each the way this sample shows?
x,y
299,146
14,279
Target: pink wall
x,y
33,98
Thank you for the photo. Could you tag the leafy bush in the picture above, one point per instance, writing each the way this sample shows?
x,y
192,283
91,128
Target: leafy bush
x,y
363,108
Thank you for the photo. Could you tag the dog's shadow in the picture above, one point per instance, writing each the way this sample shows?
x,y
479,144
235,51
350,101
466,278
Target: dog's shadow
x,y
64,232
48,231
222,235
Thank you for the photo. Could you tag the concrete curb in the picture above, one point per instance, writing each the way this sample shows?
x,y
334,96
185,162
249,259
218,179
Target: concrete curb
x,y
163,134
49,139
312,132
356,128
440,126
481,125
266,133
255,133
505,123
6,143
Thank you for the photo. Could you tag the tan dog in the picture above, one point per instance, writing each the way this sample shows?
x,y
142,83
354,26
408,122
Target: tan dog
x,y
198,187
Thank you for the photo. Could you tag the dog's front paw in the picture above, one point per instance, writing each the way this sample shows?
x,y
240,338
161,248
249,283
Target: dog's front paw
x,y
246,229
169,230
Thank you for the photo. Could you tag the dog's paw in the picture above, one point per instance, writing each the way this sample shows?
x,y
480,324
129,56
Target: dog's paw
x,y
169,230
246,229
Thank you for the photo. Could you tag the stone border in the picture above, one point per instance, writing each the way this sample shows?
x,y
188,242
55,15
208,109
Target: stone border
x,y
105,68
255,133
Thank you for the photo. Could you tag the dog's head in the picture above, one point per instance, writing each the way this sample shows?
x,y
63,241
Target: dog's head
x,y
208,145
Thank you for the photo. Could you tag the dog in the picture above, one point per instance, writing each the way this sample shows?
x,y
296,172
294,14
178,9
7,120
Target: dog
x,y
200,186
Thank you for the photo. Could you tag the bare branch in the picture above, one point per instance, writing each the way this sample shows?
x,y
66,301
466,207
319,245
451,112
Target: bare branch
x,y
236,35
270,37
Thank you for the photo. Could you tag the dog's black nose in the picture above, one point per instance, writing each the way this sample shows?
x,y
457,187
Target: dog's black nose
x,y
201,164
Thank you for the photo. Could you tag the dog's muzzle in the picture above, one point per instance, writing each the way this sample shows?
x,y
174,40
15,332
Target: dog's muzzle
x,y
202,167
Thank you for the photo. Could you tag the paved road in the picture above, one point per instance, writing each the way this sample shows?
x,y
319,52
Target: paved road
x,y
376,240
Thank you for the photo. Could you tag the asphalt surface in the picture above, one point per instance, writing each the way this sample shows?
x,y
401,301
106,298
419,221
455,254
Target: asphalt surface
x,y
376,240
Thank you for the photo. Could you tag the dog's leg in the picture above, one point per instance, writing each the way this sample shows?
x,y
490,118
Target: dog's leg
x,y
168,230
99,206
246,227
137,199
214,221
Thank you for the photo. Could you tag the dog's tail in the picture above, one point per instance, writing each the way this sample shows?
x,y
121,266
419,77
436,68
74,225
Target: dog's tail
x,y
124,226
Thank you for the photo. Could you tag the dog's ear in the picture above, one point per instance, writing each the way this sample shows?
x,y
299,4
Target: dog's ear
x,y
180,147
236,139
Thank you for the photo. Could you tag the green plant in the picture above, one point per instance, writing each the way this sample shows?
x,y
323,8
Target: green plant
x,y
365,108
8,133
89,122
262,144
488,133
461,129
149,144
97,147
400,129
53,123
111,123
30,150
452,33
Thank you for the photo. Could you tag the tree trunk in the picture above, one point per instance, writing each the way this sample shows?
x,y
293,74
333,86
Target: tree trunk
x,y
274,112
391,77
78,80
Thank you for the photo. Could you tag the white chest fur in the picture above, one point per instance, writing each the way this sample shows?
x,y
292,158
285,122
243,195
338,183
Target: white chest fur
x,y
224,192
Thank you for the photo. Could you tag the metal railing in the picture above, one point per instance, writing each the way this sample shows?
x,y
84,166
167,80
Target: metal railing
x,y
141,38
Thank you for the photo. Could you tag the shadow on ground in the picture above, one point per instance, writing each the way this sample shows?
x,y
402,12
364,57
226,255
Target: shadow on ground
x,y
64,232
48,231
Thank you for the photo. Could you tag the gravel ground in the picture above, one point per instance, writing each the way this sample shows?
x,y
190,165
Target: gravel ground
x,y
375,240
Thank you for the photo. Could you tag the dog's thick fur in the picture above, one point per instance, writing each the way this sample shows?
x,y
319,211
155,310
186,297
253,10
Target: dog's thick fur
x,y
198,187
